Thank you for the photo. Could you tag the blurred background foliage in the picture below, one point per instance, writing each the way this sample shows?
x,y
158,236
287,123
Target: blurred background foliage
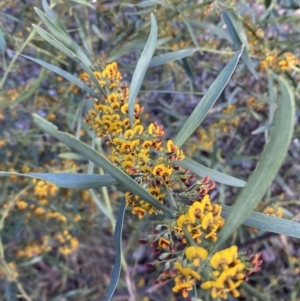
x,y
57,244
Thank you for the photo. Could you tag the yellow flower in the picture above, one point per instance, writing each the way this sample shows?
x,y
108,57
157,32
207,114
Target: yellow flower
x,y
97,74
151,128
127,164
168,170
185,271
185,220
163,243
146,169
143,159
224,257
183,285
228,281
138,129
147,144
197,208
125,147
129,134
159,170
171,147
113,97
208,223
129,158
134,144
124,108
154,191
139,211
126,122
196,254
84,76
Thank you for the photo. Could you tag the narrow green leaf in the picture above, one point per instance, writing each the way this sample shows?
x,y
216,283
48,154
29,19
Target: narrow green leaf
x,y
214,175
262,129
84,2
57,44
186,67
83,36
52,15
171,56
73,79
207,101
101,206
145,3
2,42
237,42
268,223
99,33
268,166
68,180
92,155
188,26
64,38
115,275
141,68
53,41
271,96
136,44
70,155
211,27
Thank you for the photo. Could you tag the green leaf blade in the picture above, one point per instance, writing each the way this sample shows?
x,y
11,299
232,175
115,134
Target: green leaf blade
x,y
68,180
237,42
268,166
265,222
214,175
171,56
118,243
141,68
73,79
64,38
207,101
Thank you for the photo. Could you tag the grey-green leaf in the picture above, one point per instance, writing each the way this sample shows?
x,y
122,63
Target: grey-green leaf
x,y
211,27
237,41
73,79
92,155
141,68
83,2
214,175
57,44
2,42
118,243
268,166
262,129
265,222
52,15
171,56
68,180
207,101
64,38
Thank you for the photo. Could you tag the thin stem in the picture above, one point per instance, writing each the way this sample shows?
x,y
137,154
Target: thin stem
x,y
15,58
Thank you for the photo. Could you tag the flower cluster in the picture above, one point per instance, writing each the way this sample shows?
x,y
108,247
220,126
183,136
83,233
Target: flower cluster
x,y
35,248
131,147
69,243
181,245
285,62
229,271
